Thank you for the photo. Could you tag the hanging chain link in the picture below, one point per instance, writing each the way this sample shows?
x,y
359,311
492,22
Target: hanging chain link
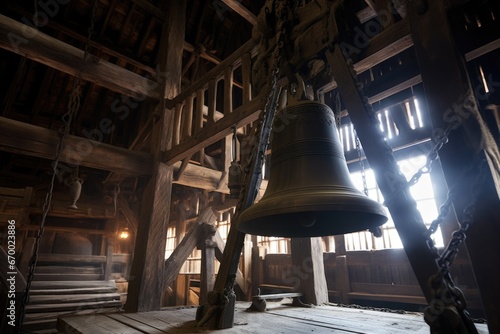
x,y
443,278
361,164
67,118
260,137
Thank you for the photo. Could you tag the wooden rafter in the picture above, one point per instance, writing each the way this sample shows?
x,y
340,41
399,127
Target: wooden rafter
x,y
67,59
244,12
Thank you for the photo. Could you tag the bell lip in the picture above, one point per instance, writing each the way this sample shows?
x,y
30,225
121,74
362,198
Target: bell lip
x,y
288,226
348,204
321,200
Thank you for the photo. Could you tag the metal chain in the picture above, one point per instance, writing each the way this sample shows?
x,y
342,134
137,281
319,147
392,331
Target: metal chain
x,y
361,164
450,253
259,143
442,283
73,106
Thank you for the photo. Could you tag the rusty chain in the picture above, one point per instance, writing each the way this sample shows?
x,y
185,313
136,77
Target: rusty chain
x,y
446,284
67,118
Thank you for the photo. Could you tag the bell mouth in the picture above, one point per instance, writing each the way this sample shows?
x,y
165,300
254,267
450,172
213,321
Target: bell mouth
x,y
312,212
325,223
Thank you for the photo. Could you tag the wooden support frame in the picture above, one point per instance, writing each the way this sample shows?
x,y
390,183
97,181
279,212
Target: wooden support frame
x,y
146,283
450,97
391,182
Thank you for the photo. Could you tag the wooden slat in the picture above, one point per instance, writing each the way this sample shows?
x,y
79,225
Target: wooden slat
x,y
187,117
177,124
212,101
140,326
246,71
100,324
228,90
233,60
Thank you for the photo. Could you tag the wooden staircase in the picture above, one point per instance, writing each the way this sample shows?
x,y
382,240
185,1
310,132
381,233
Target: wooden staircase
x,y
50,299
63,289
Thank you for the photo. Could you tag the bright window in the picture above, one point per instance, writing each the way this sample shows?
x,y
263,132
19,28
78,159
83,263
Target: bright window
x,y
423,194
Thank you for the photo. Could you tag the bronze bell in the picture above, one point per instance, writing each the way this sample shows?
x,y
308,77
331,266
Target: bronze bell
x,y
309,192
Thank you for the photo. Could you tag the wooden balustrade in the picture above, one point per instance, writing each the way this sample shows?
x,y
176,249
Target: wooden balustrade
x,y
199,110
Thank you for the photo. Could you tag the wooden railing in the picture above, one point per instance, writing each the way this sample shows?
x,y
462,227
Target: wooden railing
x,y
203,117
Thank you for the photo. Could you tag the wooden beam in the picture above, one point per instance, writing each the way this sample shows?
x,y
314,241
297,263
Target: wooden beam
x,y
146,284
450,98
392,183
244,12
26,139
26,41
309,278
151,9
195,234
242,116
128,213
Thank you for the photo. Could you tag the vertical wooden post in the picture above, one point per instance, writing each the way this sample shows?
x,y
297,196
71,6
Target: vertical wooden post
x,y
246,71
342,278
228,91
178,124
307,260
108,269
207,268
146,276
339,244
187,120
450,98
212,101
198,121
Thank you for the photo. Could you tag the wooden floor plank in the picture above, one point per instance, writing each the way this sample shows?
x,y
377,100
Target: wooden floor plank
x,y
140,326
93,324
278,319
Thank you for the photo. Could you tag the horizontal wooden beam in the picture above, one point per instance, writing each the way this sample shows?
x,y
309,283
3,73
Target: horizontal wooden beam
x,y
241,116
244,12
26,139
35,45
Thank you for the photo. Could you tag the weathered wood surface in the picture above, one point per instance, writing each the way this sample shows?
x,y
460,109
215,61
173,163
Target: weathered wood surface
x,y
146,282
309,276
26,139
278,319
450,98
195,235
27,41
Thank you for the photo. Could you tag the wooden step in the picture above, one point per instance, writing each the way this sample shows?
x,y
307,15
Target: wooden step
x,y
39,325
68,270
67,277
41,285
72,291
60,299
73,306
40,317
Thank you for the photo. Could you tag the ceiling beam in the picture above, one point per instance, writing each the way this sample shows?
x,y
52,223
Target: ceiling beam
x,y
33,44
244,12
26,139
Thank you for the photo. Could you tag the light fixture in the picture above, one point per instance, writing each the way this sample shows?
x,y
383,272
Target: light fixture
x,y
124,234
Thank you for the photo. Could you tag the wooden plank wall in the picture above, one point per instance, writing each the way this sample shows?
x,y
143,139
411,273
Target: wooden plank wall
x,y
360,276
